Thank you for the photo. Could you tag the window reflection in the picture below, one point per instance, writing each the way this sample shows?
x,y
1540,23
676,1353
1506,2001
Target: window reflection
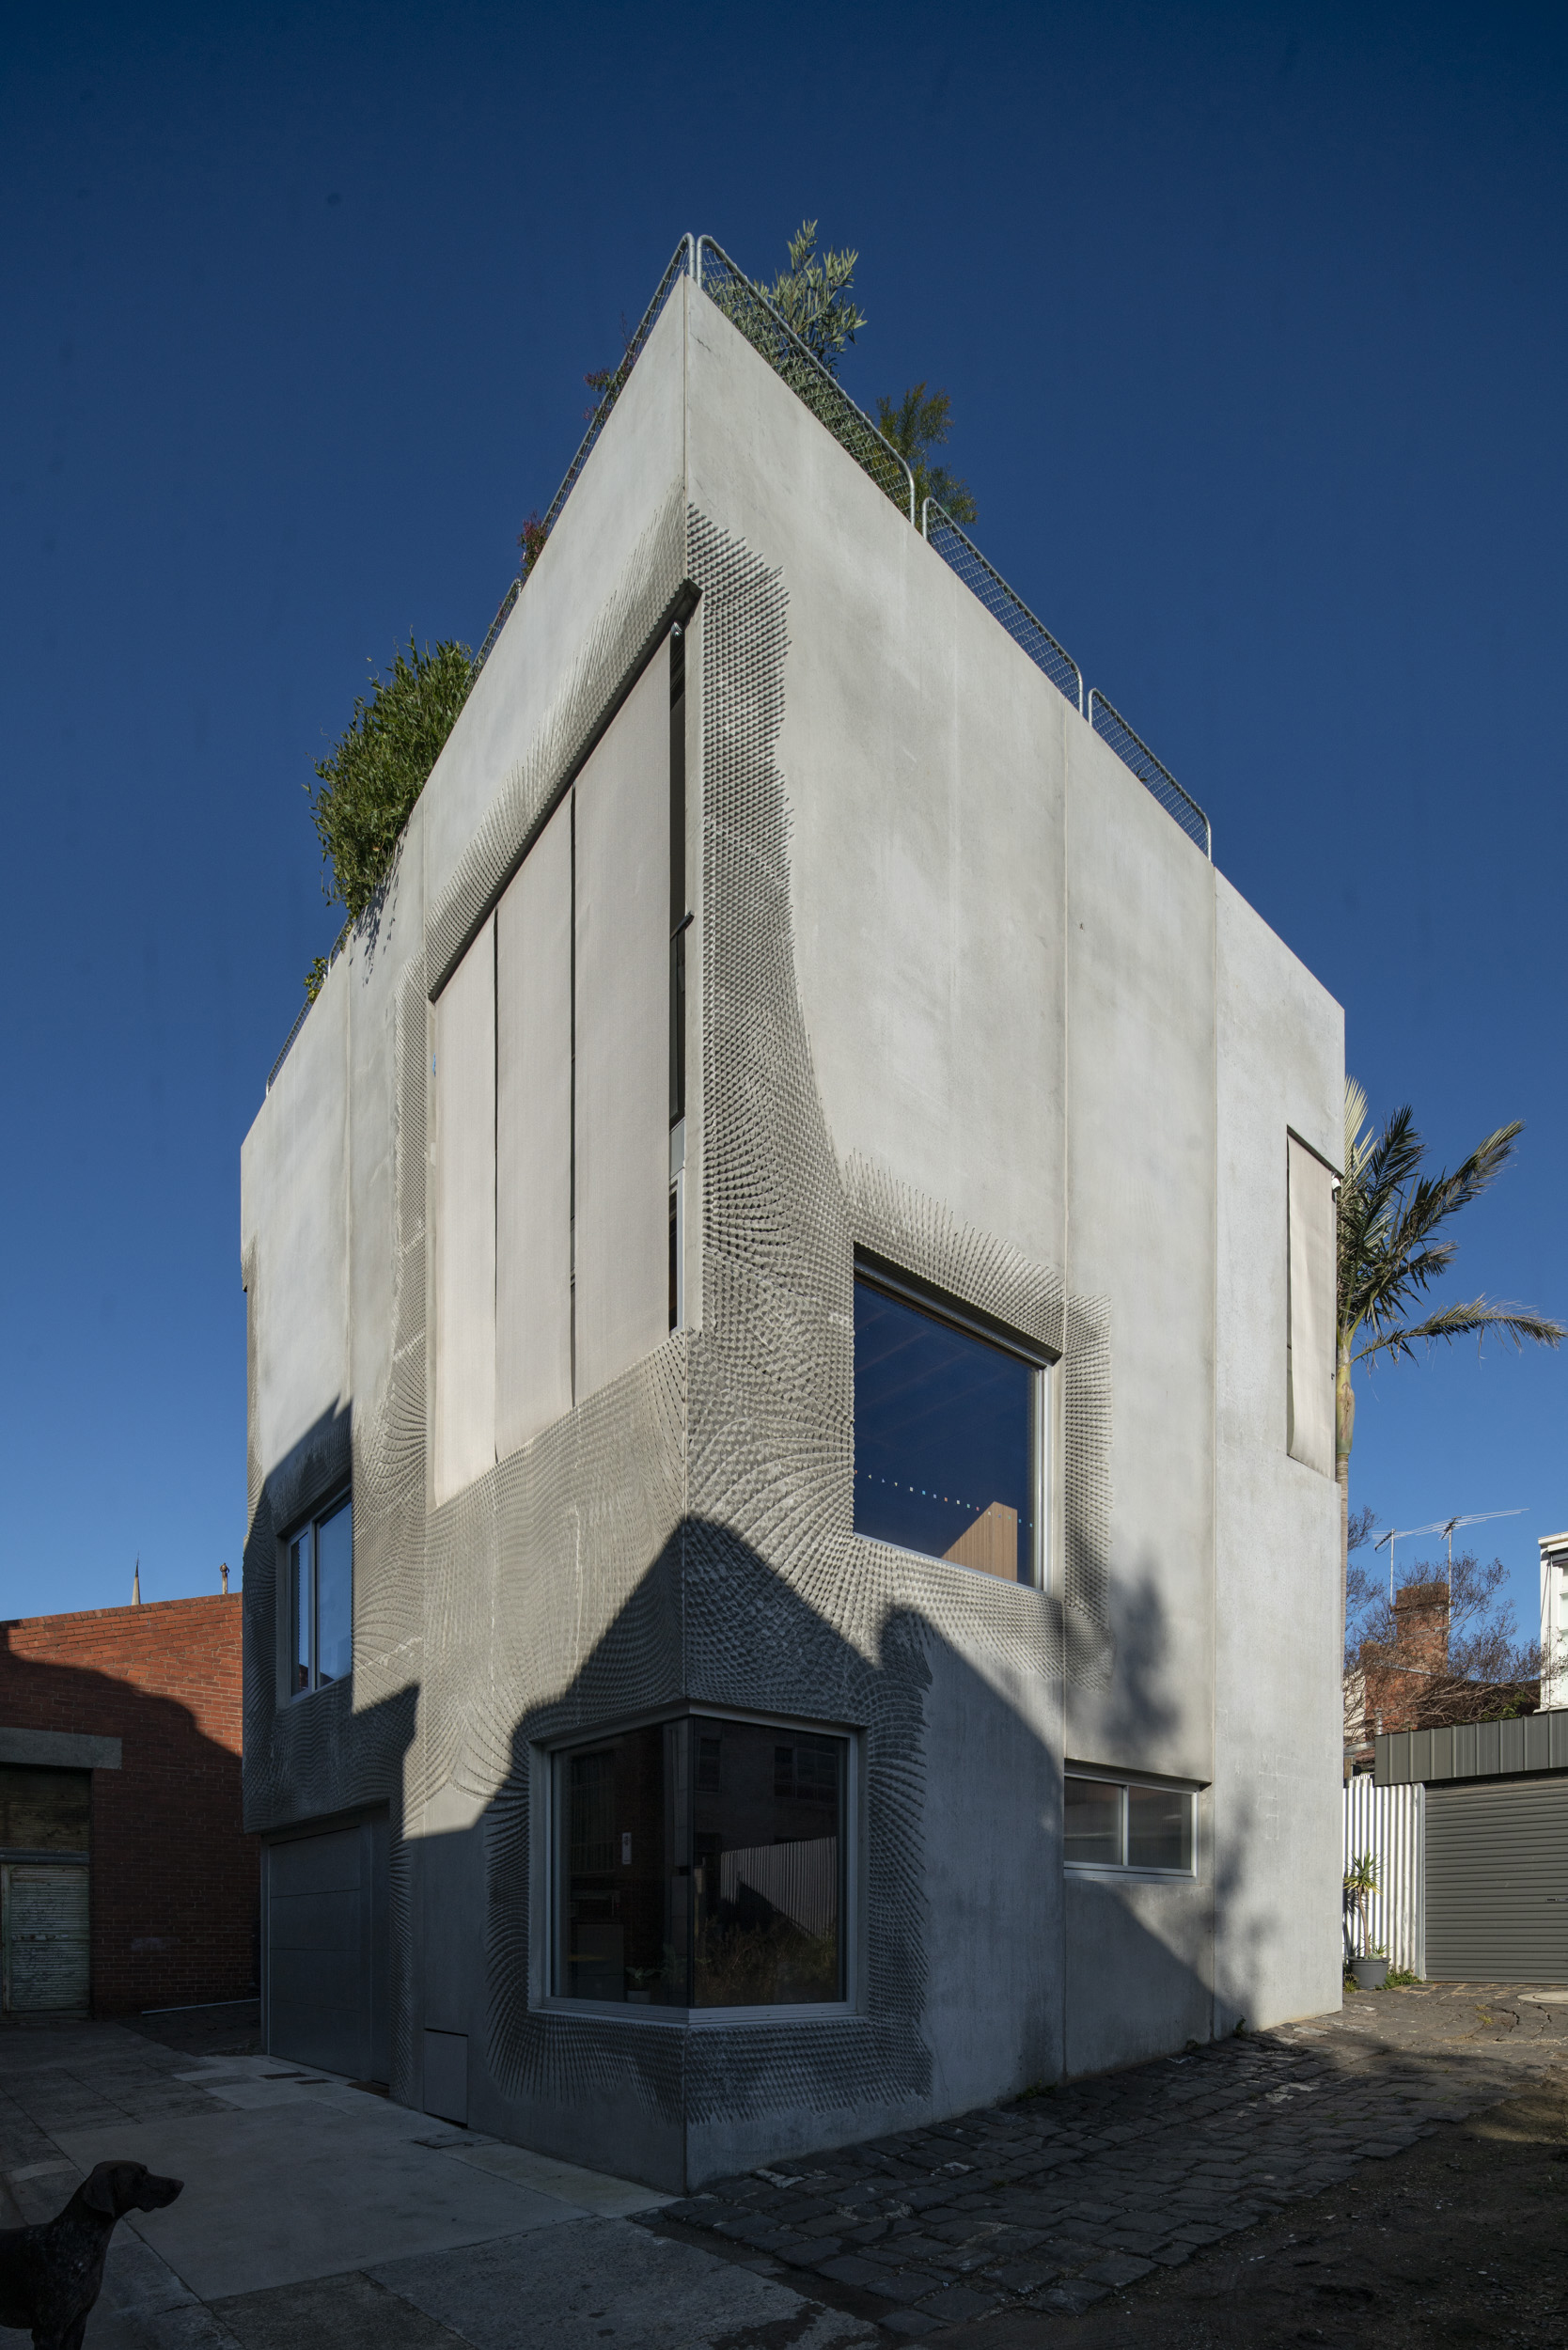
x,y
1093,1812
702,1866
1159,1829
943,1439
320,1600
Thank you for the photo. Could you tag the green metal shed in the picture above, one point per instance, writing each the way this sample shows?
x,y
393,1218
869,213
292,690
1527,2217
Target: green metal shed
x,y
1497,1844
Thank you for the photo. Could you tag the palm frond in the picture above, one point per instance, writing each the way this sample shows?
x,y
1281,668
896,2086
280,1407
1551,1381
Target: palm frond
x,y
1474,1318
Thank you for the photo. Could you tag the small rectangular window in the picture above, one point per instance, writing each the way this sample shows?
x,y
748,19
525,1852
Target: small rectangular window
x,y
1093,1823
1114,1824
320,1600
1159,1829
702,1865
949,1438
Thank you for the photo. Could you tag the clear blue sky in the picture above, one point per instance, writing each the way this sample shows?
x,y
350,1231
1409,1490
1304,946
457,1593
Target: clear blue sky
x,y
1253,322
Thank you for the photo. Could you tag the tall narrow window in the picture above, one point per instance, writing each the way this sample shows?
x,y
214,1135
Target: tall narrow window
x,y
702,1865
320,1600
950,1438
1310,1332
679,919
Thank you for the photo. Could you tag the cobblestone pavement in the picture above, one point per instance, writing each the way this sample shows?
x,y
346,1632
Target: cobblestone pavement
x,y
1054,2200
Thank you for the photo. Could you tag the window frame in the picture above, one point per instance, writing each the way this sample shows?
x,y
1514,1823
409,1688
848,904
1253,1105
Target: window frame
x,y
877,1274
548,1891
1123,1871
342,1497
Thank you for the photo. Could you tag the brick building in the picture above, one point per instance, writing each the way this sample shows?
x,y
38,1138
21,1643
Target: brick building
x,y
126,1881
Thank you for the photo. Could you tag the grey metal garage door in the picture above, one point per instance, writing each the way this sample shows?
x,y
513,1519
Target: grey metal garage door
x,y
1496,1882
327,1951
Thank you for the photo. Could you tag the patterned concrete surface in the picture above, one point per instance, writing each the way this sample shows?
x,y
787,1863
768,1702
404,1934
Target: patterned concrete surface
x,y
1057,2201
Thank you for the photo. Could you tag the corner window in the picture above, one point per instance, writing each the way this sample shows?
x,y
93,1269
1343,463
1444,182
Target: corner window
x,y
320,1599
699,1864
1118,1824
949,1436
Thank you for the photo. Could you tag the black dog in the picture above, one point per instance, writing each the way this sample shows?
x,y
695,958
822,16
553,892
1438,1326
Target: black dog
x,y
51,2276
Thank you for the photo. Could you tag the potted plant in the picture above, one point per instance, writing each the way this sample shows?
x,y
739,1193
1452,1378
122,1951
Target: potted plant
x,y
1370,1967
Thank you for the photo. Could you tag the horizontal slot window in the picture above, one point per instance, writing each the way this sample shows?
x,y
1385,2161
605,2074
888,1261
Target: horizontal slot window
x,y
1121,1823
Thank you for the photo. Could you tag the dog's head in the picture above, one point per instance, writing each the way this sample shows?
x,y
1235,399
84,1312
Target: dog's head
x,y
117,2187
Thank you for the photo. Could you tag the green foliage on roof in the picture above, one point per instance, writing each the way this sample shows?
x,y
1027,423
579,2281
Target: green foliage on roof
x,y
368,786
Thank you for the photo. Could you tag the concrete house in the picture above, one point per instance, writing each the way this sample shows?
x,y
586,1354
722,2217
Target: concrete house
x,y
792,1573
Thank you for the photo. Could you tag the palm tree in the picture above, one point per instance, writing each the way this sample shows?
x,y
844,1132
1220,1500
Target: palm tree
x,y
1390,1216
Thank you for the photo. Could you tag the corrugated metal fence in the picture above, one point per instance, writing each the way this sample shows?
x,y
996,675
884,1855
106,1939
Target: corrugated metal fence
x,y
1389,1822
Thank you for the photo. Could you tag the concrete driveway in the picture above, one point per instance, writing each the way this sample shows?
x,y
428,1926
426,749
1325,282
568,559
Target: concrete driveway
x,y
316,2213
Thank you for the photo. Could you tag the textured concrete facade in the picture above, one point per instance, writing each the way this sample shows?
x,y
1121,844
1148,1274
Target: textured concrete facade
x,y
960,994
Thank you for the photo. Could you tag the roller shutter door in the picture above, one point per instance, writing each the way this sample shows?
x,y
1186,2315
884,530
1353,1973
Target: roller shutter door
x,y
1496,1882
326,1951
43,1925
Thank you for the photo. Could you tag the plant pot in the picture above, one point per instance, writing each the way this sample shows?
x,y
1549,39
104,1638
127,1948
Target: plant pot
x,y
1370,1973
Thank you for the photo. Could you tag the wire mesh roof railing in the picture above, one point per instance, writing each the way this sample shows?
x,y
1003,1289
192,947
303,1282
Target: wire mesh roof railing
x,y
747,306
1155,777
985,582
682,265
496,625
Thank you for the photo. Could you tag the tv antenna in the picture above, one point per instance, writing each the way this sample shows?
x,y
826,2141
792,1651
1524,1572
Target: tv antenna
x,y
1446,1527
1478,1518
1402,1534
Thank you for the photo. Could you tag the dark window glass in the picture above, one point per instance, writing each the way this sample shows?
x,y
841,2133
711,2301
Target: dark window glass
x,y
320,1600
623,1904
302,1582
334,1595
44,1809
752,1917
1159,1829
767,1891
1094,1822
943,1439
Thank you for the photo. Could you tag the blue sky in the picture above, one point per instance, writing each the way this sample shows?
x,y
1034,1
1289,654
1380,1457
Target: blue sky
x,y
1253,324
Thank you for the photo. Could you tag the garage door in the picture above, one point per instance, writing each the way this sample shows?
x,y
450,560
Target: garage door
x,y
1496,1882
326,1951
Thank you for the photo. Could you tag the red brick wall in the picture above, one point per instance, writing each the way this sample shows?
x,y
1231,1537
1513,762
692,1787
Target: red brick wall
x,y
173,1878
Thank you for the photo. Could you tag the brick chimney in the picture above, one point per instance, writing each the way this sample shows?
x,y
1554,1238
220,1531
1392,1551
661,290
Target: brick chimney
x,y
1421,1627
1396,1680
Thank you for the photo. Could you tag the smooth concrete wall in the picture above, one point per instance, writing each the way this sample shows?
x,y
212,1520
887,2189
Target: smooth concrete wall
x,y
1140,1129
1137,1970
1277,1735
293,1234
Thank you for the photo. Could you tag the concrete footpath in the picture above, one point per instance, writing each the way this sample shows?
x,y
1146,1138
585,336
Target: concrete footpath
x,y
317,2212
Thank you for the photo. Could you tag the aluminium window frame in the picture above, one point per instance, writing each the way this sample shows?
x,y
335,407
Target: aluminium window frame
x,y
340,1495
545,1904
1123,1871
878,1273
